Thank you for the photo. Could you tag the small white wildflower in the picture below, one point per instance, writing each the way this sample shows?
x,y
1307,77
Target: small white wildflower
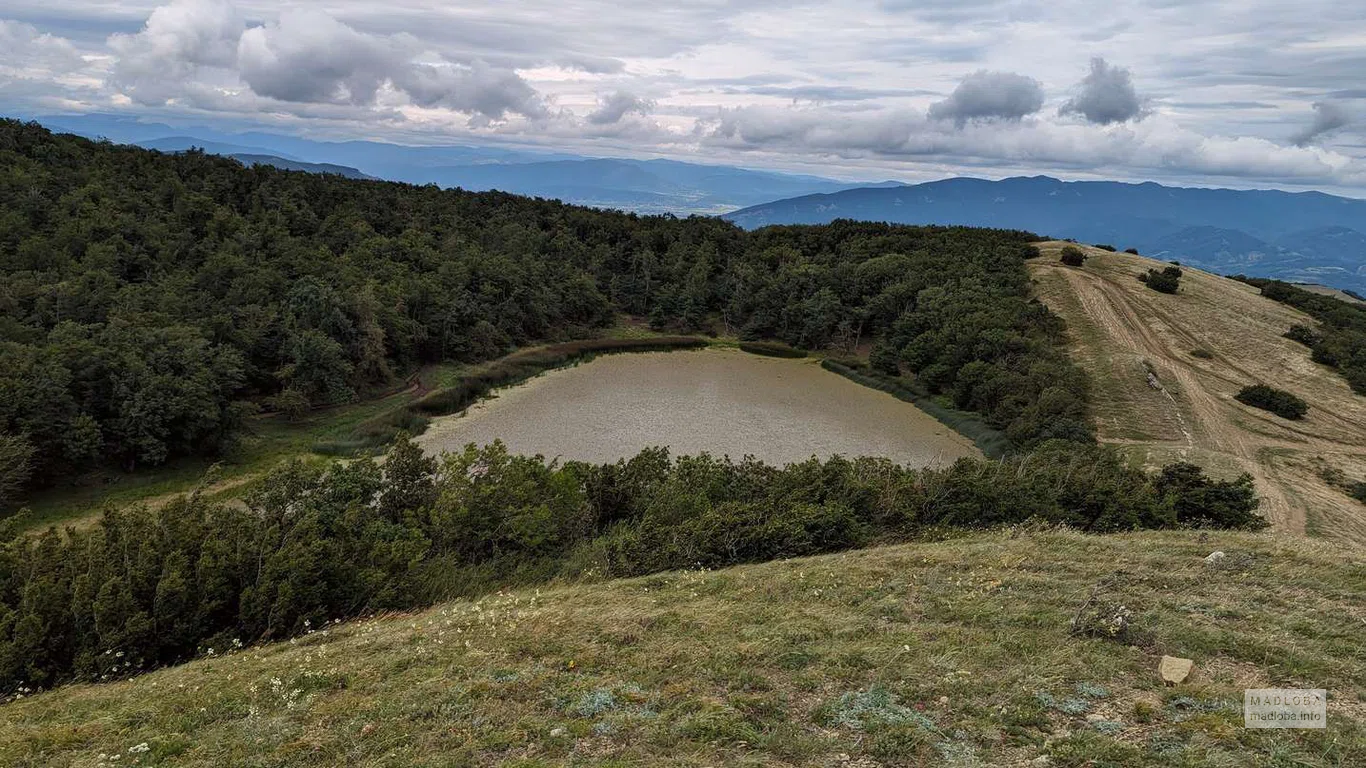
x,y
139,748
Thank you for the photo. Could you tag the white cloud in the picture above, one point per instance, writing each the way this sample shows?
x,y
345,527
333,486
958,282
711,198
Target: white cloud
x,y
177,41
202,53
1155,146
28,53
891,88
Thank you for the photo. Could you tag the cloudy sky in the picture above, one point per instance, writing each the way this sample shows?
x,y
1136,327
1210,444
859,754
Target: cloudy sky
x,y
1213,92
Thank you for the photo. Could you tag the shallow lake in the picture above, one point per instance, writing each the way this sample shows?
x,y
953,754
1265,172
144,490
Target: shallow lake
x,y
722,402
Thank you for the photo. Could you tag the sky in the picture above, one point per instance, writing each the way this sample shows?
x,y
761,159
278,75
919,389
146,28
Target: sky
x,y
1237,93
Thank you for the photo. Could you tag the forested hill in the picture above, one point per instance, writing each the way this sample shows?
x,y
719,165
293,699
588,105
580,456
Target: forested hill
x,y
150,303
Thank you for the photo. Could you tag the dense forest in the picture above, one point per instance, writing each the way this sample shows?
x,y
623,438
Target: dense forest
x,y
1341,340
148,587
151,303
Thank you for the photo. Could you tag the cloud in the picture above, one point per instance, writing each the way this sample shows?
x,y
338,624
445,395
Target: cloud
x,y
985,95
1106,95
866,89
613,107
1328,117
203,53
826,92
474,88
177,40
25,52
307,56
1155,146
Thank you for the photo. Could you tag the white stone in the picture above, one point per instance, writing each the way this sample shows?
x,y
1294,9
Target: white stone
x,y
1175,670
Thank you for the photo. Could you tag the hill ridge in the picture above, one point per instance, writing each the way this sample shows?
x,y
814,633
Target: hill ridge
x,y
1295,236
930,653
1121,331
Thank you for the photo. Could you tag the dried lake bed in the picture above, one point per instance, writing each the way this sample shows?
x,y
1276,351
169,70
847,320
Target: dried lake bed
x,y
717,401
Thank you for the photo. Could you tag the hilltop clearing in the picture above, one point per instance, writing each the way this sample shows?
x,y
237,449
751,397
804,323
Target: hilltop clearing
x,y
947,653
1201,346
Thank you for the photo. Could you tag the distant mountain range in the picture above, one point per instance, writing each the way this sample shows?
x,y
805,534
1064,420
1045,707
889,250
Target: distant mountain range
x,y
646,186
1307,237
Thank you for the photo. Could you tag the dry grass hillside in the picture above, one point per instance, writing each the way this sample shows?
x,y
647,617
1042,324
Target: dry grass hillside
x,y
1203,344
953,653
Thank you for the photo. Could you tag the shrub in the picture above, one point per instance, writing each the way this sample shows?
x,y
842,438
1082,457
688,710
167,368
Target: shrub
x,y
1134,251
290,403
1164,281
1105,620
1278,401
1358,492
1190,499
1304,335
1073,256
771,349
1105,247
1203,354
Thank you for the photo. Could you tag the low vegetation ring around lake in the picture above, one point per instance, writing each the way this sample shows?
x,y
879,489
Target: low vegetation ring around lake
x,y
717,401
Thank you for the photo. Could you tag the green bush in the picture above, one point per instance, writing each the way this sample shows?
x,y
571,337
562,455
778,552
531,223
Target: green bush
x,y
1358,492
1166,281
1304,335
1105,247
1278,401
1073,256
1202,353
1134,251
771,349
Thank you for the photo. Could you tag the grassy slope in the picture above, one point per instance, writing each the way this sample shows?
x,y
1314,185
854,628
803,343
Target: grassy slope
x,y
945,653
1119,327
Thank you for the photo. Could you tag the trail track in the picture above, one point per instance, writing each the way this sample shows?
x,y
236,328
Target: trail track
x,y
1121,330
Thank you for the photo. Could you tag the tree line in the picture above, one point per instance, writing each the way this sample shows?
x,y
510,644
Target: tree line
x,y
316,544
1340,340
150,304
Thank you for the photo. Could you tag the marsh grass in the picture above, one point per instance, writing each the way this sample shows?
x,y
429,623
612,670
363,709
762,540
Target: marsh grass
x,y
772,349
989,440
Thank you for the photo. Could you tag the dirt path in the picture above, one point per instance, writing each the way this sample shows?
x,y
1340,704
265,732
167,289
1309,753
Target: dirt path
x,y
1115,318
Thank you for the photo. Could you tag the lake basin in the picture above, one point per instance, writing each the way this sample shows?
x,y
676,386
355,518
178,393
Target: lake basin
x,y
717,401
